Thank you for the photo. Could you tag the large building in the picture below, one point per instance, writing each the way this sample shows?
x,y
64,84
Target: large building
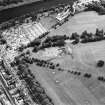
x,y
61,16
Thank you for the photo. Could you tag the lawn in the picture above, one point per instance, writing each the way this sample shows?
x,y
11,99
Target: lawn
x,y
89,54
83,21
85,57
69,89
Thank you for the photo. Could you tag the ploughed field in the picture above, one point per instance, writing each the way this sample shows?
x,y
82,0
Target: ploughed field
x,y
65,88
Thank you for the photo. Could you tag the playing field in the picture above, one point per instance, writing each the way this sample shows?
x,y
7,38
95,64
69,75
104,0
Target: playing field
x,y
83,21
89,54
65,88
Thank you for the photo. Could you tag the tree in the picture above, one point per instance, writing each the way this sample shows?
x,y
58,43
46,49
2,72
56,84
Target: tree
x,y
3,41
101,78
84,35
99,33
57,65
76,41
100,63
87,75
74,36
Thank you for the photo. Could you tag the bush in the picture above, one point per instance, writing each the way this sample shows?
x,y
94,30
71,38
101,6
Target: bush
x,y
100,63
87,75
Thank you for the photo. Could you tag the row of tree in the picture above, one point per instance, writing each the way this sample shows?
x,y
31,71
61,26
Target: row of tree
x,y
86,37
97,6
19,20
101,78
54,9
7,2
51,65
55,41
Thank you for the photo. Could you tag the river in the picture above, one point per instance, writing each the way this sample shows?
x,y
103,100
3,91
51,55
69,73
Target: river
x,y
11,13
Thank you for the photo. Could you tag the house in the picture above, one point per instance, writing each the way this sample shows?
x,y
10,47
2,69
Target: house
x,y
61,16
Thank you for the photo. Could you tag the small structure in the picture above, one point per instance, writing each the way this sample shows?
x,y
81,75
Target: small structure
x,y
100,63
69,50
52,52
61,16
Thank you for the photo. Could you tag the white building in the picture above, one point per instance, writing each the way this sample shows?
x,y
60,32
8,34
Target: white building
x,y
50,53
63,15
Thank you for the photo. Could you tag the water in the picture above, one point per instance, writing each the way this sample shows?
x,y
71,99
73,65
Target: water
x,y
8,14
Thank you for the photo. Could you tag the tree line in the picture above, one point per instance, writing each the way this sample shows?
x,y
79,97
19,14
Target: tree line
x,y
86,37
7,2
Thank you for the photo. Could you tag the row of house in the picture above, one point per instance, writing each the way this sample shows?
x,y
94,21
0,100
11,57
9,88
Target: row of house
x,y
13,84
10,82
3,99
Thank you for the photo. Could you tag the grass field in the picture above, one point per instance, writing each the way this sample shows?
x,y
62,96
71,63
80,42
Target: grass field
x,y
89,54
83,21
85,57
72,90
67,89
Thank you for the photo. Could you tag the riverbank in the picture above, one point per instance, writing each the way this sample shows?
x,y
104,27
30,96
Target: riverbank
x,y
10,13
18,4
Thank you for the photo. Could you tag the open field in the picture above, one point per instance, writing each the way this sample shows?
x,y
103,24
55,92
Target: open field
x,y
70,90
85,58
65,88
83,21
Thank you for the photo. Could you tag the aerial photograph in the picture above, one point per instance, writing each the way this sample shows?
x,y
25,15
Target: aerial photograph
x,y
52,52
